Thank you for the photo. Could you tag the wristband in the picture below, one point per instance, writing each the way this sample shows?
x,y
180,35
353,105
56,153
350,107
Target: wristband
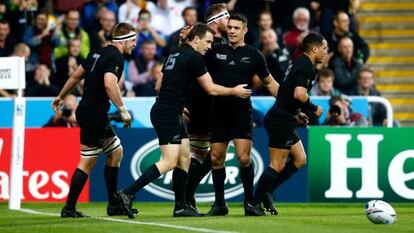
x,y
309,105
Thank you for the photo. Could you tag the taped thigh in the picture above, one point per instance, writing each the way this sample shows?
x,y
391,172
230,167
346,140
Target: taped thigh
x,y
111,145
91,152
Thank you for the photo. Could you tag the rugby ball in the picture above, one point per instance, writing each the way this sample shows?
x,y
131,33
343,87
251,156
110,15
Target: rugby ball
x,y
380,212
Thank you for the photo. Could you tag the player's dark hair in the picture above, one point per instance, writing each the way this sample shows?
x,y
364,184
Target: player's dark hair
x,y
200,30
311,40
122,29
239,17
215,9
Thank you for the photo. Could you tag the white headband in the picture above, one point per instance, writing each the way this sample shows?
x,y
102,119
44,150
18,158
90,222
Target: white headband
x,y
129,36
218,16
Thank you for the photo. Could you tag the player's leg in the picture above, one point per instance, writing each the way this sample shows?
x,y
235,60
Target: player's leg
x,y
218,156
243,148
79,178
200,165
180,182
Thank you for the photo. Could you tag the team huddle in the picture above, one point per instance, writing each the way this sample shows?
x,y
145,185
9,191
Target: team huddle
x,y
202,105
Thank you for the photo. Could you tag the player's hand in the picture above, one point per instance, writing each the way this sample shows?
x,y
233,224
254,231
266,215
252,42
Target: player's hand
x,y
57,104
184,33
318,111
242,91
302,119
125,116
186,115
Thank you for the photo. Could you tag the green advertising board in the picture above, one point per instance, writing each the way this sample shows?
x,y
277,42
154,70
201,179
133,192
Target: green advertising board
x,y
358,164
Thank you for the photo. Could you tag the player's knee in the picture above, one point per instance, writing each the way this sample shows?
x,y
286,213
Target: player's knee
x,y
300,162
114,158
244,161
277,166
217,159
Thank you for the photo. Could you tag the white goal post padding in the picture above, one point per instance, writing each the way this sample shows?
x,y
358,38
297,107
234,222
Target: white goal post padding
x,y
12,76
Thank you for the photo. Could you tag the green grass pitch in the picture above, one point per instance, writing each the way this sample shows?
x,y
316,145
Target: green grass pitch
x,y
157,217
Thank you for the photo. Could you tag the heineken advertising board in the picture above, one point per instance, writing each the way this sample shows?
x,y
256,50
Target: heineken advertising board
x,y
357,164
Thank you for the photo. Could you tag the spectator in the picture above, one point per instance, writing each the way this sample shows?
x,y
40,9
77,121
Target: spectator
x,y
340,113
345,67
265,22
7,41
71,30
293,38
41,40
42,85
342,29
92,11
21,17
147,32
102,37
65,117
190,19
67,64
139,69
128,12
277,59
20,50
324,85
167,15
366,87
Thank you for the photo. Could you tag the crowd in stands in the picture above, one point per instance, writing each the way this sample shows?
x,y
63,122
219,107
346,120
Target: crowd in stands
x,y
55,37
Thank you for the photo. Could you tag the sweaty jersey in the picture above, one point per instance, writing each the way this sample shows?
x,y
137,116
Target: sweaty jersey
x,y
301,73
107,59
183,66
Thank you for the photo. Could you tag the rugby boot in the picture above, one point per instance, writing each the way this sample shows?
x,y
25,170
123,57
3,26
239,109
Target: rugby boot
x,y
250,210
218,210
66,213
116,210
268,204
187,212
125,201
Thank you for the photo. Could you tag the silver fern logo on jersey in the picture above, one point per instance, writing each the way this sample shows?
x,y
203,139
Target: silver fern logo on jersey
x,y
150,153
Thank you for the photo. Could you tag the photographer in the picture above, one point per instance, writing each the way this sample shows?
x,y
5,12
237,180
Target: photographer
x,y
340,113
65,117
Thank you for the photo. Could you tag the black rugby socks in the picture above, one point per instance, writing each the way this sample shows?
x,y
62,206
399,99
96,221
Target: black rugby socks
x,y
77,183
219,176
247,176
179,187
149,175
111,181
266,180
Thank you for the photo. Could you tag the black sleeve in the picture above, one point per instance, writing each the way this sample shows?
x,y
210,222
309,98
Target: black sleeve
x,y
303,77
197,65
113,65
87,64
260,65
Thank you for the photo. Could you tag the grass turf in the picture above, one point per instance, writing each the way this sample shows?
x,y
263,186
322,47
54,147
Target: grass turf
x,y
309,218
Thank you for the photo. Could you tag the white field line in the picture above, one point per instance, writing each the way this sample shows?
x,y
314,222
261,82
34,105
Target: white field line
x,y
193,229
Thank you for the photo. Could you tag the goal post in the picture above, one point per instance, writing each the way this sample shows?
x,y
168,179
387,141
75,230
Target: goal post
x,y
12,76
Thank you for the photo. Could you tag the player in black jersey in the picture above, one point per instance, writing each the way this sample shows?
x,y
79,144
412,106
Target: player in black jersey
x,y
281,119
101,71
199,109
234,64
182,66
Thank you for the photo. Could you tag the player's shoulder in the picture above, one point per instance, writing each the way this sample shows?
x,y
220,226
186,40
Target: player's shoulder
x,y
303,62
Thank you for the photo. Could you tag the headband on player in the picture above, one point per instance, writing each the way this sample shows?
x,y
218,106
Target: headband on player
x,y
218,16
128,36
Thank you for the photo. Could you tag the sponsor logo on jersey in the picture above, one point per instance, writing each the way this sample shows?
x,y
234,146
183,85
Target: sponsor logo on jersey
x,y
221,56
150,153
245,59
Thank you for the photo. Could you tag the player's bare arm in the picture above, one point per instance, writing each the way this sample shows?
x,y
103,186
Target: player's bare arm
x,y
112,89
217,90
74,79
301,94
271,85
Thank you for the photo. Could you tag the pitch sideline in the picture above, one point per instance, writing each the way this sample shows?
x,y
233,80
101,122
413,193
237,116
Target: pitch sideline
x,y
193,229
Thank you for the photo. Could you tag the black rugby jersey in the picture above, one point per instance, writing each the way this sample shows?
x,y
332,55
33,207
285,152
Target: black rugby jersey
x,y
182,66
300,73
99,62
231,67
